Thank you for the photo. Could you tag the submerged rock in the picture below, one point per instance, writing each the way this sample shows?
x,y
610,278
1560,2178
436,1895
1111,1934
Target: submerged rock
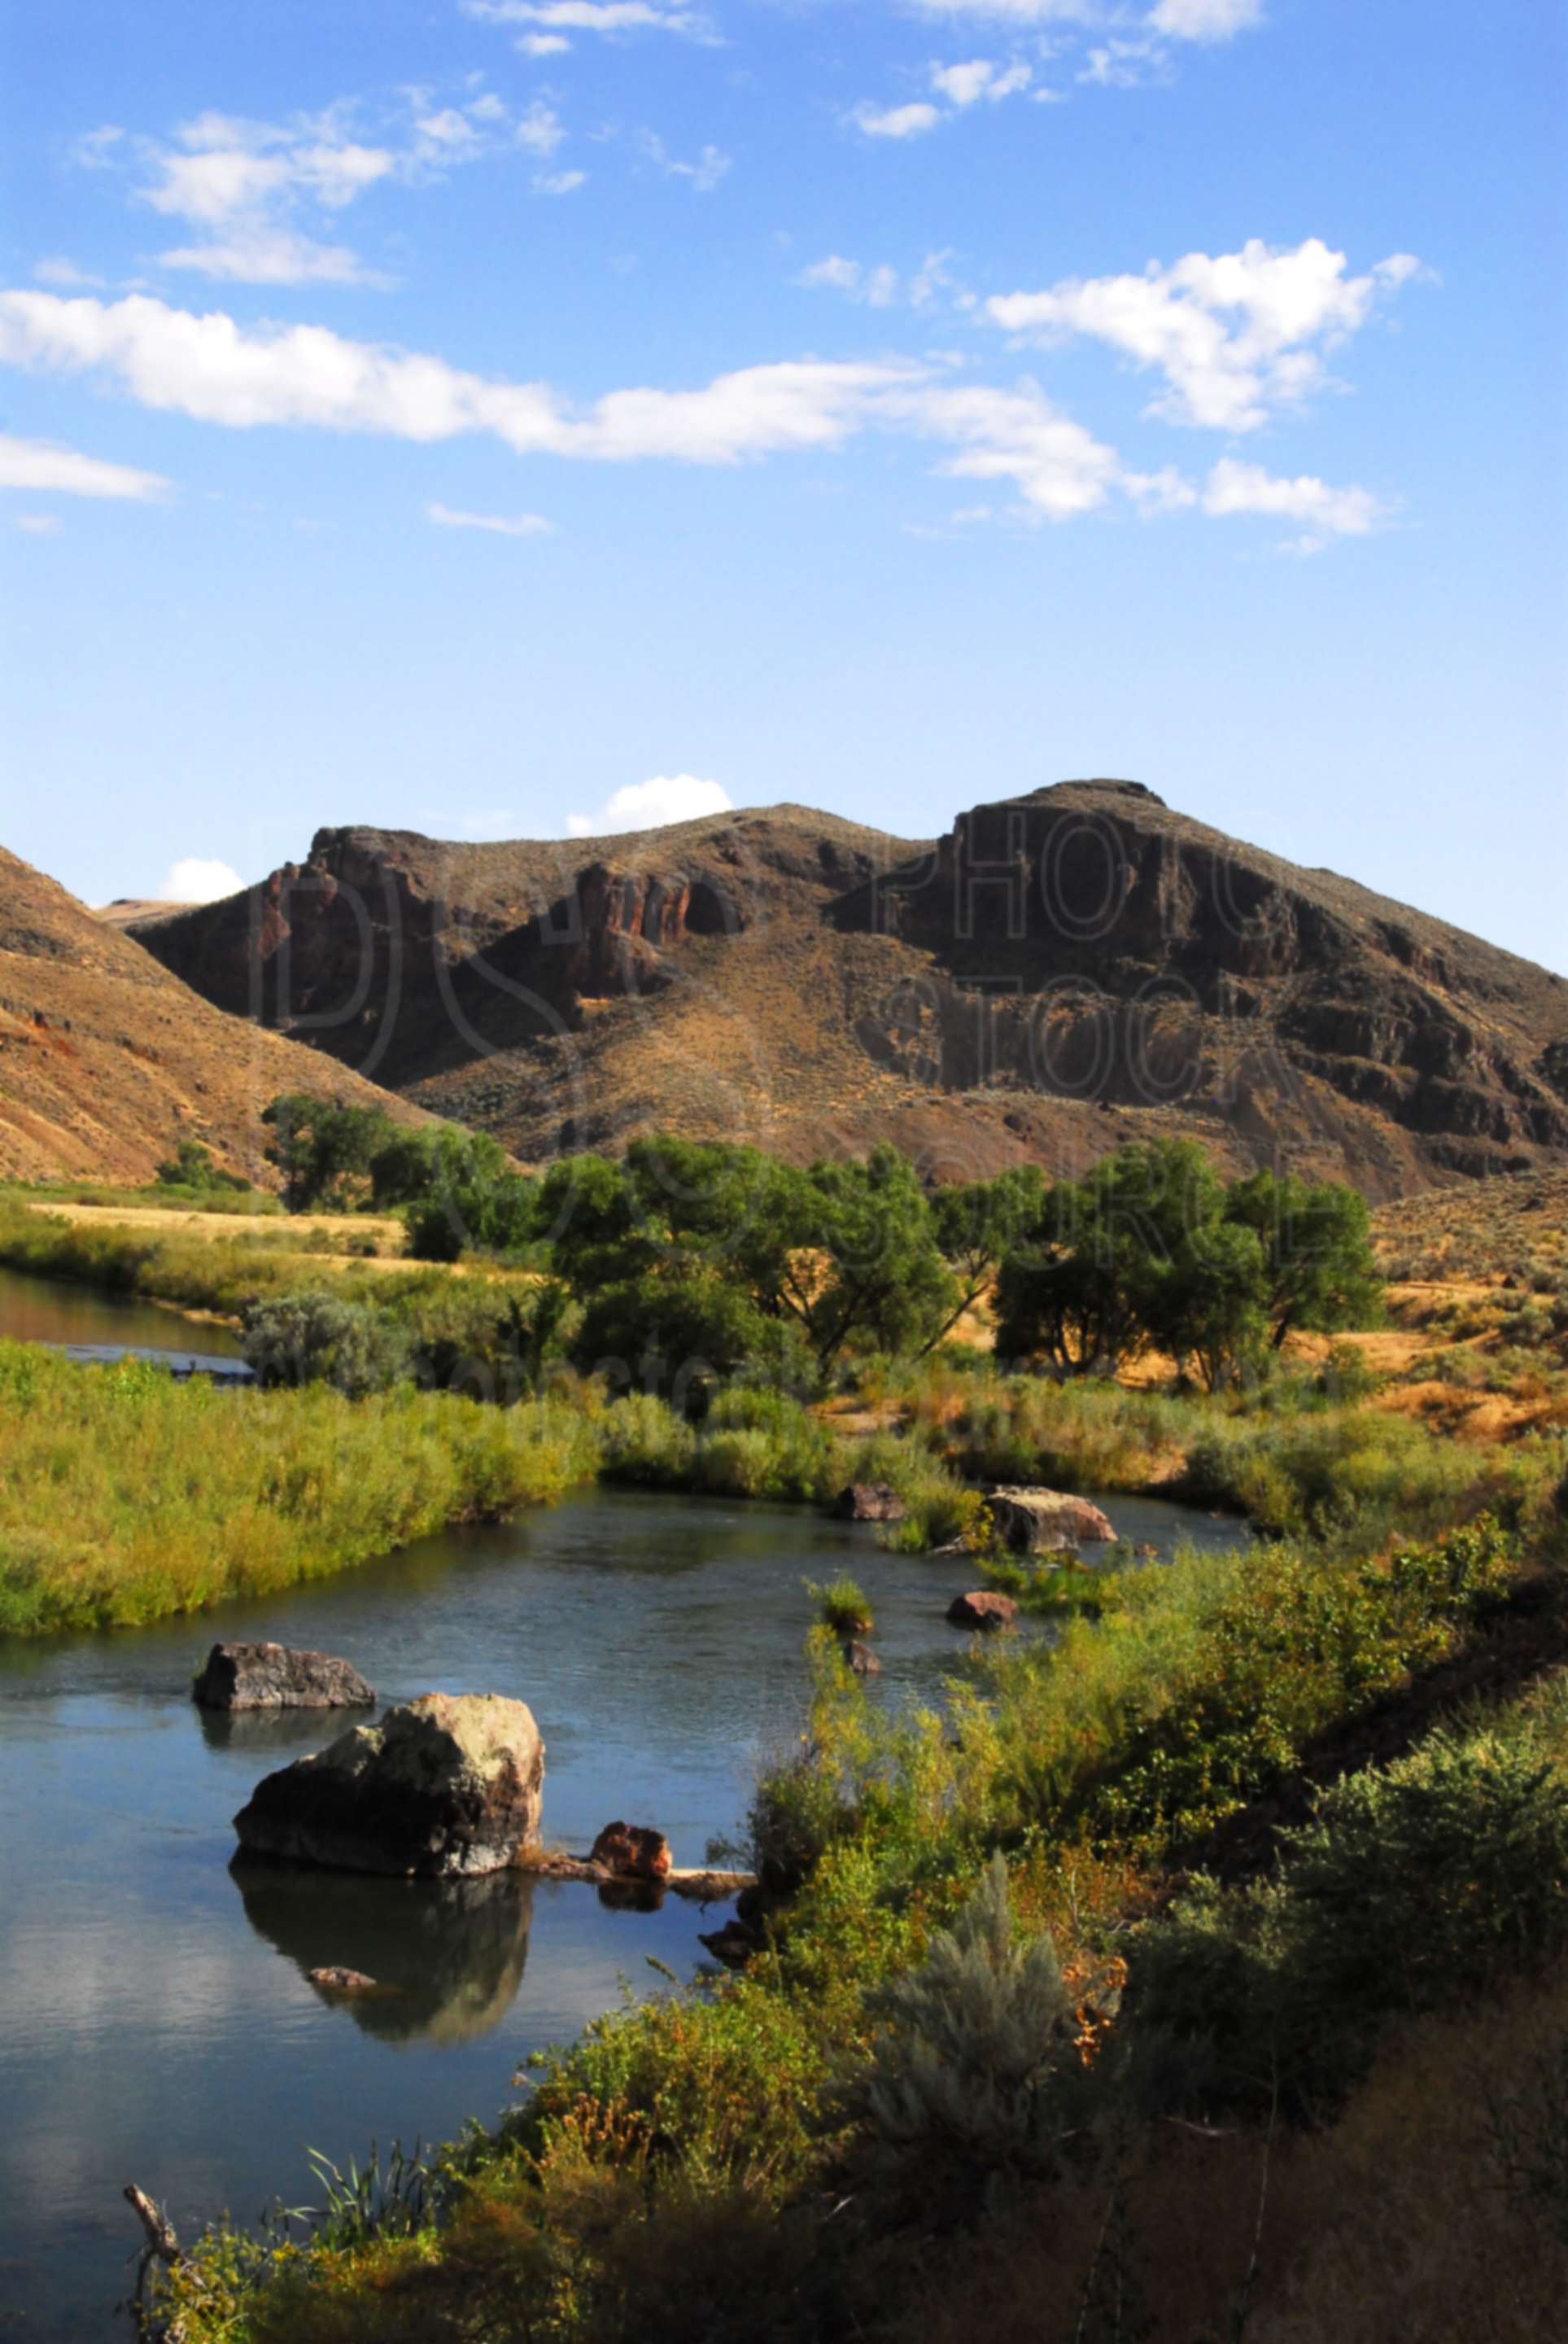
x,y
272,1676
337,1980
444,1787
1032,1520
869,1501
632,1852
734,1945
982,1608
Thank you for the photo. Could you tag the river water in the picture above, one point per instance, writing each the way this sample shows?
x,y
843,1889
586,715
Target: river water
x,y
86,1320
156,2023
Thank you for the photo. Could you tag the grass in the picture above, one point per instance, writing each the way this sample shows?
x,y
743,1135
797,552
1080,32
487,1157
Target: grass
x,y
842,1605
125,1496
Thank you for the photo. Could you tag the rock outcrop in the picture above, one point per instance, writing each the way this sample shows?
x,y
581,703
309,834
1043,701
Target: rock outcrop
x,y
1035,1521
443,1788
274,1676
860,1659
1064,971
983,1609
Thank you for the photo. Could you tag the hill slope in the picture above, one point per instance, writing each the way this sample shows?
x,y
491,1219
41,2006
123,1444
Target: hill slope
x,y
106,1061
1062,972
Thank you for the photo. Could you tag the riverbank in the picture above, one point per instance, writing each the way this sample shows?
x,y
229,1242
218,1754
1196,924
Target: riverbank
x,y
848,2140
125,1496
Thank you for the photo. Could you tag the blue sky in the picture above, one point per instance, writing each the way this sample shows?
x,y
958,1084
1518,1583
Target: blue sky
x,y
457,417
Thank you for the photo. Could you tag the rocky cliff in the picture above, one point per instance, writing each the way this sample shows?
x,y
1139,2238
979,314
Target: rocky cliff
x,y
1060,972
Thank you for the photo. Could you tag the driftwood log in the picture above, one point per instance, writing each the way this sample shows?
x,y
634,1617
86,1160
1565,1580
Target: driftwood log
x,y
703,1886
162,2247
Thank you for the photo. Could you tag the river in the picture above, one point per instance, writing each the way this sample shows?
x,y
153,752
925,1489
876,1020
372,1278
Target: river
x,y
93,1325
156,2023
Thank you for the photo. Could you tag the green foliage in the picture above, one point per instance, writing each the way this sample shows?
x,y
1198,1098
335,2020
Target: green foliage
x,y
125,1496
1414,1885
1149,1251
971,2075
317,1338
842,1605
191,1167
321,1148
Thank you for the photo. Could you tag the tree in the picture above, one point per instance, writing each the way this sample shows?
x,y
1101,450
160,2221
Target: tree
x,y
319,1147
1320,1271
869,1270
1086,1287
977,1224
1211,1311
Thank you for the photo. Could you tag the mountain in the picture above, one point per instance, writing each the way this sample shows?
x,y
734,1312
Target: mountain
x,y
1062,972
106,1061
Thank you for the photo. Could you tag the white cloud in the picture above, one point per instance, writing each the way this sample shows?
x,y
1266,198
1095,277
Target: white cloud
x,y
1012,11
1234,336
243,186
878,287
38,524
1058,467
649,805
539,130
603,17
193,880
56,270
703,174
499,524
40,466
273,256
559,183
543,45
1237,488
1206,20
894,121
965,84
214,370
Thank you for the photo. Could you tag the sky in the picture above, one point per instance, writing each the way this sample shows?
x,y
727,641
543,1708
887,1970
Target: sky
x,y
530,418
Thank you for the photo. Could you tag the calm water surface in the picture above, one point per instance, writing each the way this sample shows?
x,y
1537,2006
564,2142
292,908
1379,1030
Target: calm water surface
x,y
54,1310
156,2024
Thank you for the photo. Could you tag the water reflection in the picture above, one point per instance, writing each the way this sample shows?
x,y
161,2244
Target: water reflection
x,y
449,1954
300,1730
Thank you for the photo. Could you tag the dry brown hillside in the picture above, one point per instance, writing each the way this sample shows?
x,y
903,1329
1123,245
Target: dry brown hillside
x,y
107,1060
1062,972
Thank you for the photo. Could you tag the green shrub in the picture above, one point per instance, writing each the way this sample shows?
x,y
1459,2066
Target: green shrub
x,y
841,1605
317,1338
972,2074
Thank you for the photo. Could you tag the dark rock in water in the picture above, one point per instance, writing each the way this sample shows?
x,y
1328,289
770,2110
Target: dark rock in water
x,y
734,1945
862,1660
1032,1520
869,1501
333,1980
983,1609
271,1676
1146,1551
632,1851
442,1788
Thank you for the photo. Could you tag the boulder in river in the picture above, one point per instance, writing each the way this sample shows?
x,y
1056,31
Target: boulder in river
x,y
869,1501
334,1979
632,1852
982,1608
444,1787
1030,1520
861,1660
272,1676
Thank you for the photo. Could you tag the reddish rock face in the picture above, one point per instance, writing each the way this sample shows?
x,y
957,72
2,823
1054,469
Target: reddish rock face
x,y
632,1851
983,1609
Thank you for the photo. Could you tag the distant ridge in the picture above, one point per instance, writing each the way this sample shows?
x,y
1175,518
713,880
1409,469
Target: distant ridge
x,y
107,1060
1062,971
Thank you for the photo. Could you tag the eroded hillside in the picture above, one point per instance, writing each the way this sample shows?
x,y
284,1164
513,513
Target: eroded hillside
x,y
1062,971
